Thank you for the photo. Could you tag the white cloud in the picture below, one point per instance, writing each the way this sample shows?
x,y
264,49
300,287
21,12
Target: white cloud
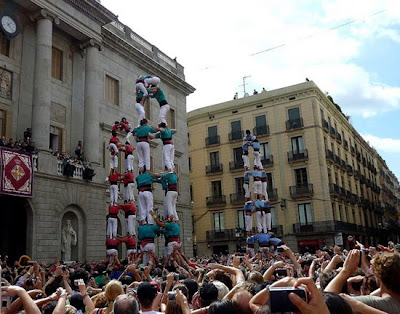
x,y
386,144
221,36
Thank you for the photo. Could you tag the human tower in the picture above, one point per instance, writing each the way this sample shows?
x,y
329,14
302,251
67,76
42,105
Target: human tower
x,y
149,226
260,204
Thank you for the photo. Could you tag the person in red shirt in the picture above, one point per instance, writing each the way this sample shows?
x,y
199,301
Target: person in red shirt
x,y
112,220
113,178
116,126
125,125
128,150
113,148
129,184
130,217
130,242
112,248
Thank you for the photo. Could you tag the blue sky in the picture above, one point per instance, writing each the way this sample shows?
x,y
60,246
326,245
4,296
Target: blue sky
x,y
357,63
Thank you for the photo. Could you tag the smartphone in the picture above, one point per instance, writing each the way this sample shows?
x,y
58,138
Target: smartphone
x,y
279,249
76,282
5,300
176,277
30,262
171,296
279,298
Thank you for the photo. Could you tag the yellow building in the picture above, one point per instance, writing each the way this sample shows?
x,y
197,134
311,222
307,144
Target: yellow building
x,y
323,178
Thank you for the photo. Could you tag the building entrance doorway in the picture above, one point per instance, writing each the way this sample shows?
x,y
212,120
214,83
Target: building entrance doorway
x,y
14,228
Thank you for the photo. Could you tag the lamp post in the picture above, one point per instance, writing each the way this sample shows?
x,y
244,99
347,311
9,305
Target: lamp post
x,y
238,235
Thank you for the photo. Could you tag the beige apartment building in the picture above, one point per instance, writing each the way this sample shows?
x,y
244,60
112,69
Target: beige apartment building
x,y
325,183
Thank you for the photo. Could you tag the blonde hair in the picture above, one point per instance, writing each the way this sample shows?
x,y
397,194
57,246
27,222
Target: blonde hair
x,y
112,290
69,309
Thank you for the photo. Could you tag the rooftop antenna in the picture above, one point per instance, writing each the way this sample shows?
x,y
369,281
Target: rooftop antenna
x,y
244,84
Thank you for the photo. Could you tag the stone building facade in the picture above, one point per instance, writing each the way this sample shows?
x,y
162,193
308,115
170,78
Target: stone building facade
x,y
325,182
68,75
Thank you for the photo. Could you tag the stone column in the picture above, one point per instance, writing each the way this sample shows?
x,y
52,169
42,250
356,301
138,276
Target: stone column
x,y
42,79
91,129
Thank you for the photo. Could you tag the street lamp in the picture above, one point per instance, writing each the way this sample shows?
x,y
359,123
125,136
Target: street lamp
x,y
238,236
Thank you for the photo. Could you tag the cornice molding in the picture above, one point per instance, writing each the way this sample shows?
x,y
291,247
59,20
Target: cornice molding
x,y
94,10
129,51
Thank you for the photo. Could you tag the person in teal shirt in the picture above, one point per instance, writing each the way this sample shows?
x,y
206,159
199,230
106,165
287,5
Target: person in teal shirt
x,y
158,94
168,151
172,233
146,236
142,143
144,183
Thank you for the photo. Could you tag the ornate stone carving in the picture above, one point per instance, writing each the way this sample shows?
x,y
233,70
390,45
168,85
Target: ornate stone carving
x,y
5,83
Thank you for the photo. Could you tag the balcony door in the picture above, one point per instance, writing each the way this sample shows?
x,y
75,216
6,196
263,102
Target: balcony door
x,y
301,177
297,145
216,189
219,221
214,160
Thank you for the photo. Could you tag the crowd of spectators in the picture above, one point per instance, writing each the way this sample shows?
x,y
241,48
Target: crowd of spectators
x,y
333,280
25,145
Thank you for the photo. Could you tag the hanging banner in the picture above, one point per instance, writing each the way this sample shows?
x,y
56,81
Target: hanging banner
x,y
16,173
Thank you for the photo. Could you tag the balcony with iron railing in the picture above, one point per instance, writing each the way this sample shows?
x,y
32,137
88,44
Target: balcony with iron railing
x,y
262,130
272,194
303,190
352,150
212,140
325,125
338,138
294,124
216,201
329,156
332,131
237,198
358,155
337,160
334,189
356,175
349,170
236,165
299,155
214,169
327,226
267,160
343,165
342,192
277,230
236,136
221,235
354,198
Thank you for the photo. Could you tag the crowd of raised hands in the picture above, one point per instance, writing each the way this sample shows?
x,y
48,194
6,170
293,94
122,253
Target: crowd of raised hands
x,y
332,280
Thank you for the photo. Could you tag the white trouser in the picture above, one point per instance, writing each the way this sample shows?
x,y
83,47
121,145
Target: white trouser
x,y
131,224
246,190
113,161
112,227
112,252
129,163
130,251
257,159
145,201
154,80
128,192
141,88
143,153
246,161
264,190
250,251
113,194
149,247
257,187
165,207
261,223
268,221
249,222
171,199
168,152
140,112
128,136
167,251
163,113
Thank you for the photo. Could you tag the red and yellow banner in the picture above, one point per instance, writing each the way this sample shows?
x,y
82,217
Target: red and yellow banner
x,y
16,173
